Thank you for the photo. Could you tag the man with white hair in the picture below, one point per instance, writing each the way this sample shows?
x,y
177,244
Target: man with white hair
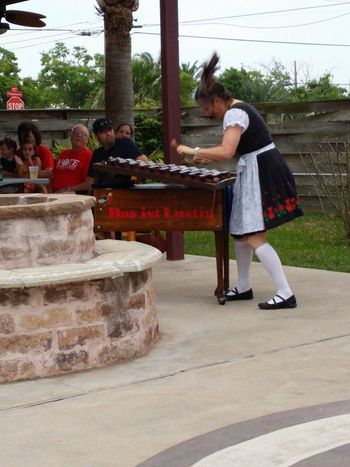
x,y
72,165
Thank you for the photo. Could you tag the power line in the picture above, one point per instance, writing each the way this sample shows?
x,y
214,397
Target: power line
x,y
35,38
25,31
64,34
322,44
272,27
246,15
69,37
267,12
46,29
57,28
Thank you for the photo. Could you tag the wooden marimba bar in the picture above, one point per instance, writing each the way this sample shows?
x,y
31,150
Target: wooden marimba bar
x,y
189,198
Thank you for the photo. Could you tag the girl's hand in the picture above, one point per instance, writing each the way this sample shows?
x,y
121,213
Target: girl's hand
x,y
185,150
189,152
65,190
201,160
142,158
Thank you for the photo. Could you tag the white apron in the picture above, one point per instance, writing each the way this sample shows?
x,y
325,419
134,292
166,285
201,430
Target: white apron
x,y
247,213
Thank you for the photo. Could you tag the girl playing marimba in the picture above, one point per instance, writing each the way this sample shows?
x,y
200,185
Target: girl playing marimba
x,y
264,193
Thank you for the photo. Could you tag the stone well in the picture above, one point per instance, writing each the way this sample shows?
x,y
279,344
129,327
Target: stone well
x,y
56,318
38,230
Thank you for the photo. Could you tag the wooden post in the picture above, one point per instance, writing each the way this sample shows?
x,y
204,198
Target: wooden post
x,y
171,102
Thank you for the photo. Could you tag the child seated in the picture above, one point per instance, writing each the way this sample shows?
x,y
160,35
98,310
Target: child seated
x,y
8,149
28,158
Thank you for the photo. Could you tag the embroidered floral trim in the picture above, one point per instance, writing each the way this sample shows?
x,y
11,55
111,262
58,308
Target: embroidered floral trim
x,y
282,208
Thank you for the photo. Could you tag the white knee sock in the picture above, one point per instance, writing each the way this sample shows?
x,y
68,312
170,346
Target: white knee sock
x,y
271,262
243,254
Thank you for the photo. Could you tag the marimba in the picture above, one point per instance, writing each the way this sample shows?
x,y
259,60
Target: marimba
x,y
189,198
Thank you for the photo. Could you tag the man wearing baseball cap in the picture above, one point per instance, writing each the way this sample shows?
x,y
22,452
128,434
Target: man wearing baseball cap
x,y
115,147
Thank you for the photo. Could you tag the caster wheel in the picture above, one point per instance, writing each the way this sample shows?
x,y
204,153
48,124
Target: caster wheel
x,y
222,300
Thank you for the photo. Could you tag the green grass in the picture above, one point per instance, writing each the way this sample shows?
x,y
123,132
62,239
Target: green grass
x,y
313,241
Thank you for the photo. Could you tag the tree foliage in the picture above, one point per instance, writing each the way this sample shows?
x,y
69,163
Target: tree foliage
x,y
256,86
147,80
319,90
9,73
68,78
33,95
148,85
148,132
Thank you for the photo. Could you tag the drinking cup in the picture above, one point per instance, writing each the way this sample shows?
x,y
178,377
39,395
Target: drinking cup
x,y
33,171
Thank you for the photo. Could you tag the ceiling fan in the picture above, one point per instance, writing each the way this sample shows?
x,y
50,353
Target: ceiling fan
x,y
22,18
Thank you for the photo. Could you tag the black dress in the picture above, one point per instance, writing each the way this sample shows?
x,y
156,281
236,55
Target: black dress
x,y
264,194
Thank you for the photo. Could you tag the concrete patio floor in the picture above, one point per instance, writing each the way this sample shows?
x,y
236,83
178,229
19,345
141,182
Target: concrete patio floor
x,y
211,383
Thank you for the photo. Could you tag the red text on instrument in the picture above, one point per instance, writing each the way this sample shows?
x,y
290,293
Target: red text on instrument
x,y
162,213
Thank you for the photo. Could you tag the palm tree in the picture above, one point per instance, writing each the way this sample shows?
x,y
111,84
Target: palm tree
x,y
118,21
146,79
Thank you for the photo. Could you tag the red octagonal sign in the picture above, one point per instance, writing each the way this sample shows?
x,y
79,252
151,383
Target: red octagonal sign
x,y
15,103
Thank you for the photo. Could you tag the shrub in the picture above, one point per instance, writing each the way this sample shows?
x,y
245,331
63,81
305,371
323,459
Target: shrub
x,y
330,170
149,132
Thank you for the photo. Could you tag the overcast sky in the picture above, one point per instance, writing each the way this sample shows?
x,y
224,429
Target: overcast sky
x,y
218,24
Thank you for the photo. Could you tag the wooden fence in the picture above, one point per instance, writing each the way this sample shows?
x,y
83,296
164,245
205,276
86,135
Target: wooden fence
x,y
298,129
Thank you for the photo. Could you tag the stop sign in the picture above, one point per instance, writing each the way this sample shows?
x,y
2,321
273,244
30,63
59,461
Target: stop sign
x,y
15,103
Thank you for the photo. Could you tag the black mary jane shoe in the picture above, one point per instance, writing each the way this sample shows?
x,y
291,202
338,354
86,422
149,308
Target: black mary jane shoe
x,y
290,302
233,294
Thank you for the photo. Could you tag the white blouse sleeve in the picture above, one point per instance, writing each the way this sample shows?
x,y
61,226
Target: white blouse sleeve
x,y
236,117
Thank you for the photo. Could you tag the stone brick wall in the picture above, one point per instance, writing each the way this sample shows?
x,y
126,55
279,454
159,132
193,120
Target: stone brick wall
x,y
52,230
47,240
52,330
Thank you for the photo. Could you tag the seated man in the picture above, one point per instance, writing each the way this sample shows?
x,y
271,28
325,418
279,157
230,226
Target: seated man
x,y
115,147
71,168
153,238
